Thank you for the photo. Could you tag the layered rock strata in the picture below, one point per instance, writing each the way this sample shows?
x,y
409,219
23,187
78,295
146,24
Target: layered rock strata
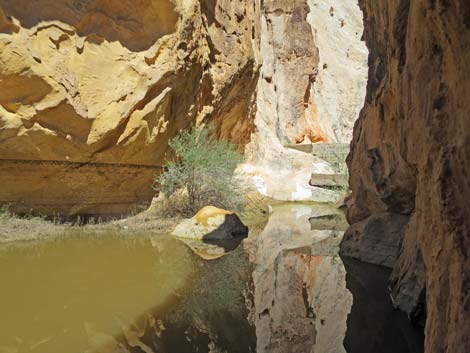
x,y
410,164
94,85
91,92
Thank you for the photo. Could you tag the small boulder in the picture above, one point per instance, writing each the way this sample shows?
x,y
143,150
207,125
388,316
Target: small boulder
x,y
211,223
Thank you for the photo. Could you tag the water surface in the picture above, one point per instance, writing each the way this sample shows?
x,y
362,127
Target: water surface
x,y
284,289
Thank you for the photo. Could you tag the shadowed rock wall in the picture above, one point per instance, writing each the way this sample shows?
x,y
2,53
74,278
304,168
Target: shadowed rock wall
x,y
410,163
136,24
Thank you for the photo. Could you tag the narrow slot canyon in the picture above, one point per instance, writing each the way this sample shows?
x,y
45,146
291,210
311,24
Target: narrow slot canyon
x,y
241,176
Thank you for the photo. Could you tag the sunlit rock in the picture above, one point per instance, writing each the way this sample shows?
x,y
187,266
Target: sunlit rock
x,y
211,223
91,92
310,90
114,81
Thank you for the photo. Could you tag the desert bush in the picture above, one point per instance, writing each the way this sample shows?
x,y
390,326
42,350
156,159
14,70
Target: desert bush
x,y
338,163
201,174
5,211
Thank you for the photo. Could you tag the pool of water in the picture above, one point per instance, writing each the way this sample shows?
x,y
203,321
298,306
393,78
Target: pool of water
x,y
283,289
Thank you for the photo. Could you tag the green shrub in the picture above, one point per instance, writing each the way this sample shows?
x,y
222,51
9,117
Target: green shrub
x,y
201,174
338,163
5,211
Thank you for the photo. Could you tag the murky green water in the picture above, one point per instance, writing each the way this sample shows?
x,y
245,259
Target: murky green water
x,y
282,290
79,293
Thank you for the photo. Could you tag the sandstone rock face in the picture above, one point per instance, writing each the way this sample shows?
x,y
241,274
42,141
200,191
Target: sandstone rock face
x,y
91,92
311,87
136,24
340,85
376,239
410,158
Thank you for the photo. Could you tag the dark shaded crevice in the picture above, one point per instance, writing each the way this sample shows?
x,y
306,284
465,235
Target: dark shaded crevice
x,y
400,30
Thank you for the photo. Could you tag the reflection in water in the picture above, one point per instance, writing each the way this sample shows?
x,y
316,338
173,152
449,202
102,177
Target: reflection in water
x,y
110,294
212,249
56,295
211,315
374,326
300,298
284,290
328,222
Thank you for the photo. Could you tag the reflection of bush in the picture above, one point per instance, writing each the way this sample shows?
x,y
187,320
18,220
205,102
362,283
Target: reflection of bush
x,y
173,267
208,311
215,303
217,286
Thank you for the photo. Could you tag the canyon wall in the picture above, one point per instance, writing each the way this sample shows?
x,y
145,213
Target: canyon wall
x,y
410,163
340,85
311,87
91,92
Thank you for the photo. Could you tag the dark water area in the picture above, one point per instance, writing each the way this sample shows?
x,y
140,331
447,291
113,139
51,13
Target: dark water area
x,y
209,315
373,324
283,289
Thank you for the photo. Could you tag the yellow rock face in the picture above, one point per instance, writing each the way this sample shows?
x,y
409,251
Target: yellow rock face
x,y
212,224
207,212
91,92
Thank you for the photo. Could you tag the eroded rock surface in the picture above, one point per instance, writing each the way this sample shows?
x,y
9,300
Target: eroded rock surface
x,y
410,158
91,92
310,90
136,24
211,223
340,86
95,89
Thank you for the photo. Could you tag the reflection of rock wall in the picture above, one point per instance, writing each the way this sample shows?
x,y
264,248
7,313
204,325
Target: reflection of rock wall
x,y
410,158
373,324
208,315
109,82
300,298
